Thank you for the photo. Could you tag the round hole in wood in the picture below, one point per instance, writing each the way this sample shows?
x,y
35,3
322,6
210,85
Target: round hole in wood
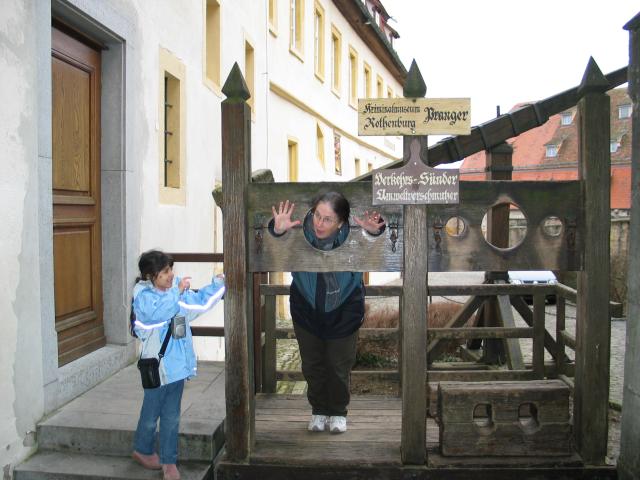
x,y
552,226
504,225
455,226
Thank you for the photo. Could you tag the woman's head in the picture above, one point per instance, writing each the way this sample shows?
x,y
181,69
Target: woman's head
x,y
330,211
157,267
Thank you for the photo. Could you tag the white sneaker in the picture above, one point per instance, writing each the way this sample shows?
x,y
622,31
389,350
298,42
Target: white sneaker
x,y
317,423
337,424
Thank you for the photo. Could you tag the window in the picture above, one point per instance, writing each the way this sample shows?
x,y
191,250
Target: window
x,y
293,160
356,163
249,74
336,59
566,118
273,16
389,92
614,146
212,43
552,151
296,28
379,87
624,111
320,146
353,77
171,138
318,41
369,167
337,153
366,75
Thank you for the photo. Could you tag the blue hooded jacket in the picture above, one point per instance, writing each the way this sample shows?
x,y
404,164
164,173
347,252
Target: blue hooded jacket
x,y
306,282
154,310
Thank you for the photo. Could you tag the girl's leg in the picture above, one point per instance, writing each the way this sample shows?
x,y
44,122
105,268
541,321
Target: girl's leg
x,y
340,358
170,422
145,437
312,352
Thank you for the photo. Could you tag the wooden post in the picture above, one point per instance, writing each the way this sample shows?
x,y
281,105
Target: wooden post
x,y
537,359
236,167
560,327
499,167
593,327
629,460
413,446
269,364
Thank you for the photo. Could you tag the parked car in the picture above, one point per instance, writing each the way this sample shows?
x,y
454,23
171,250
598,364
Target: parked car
x,y
532,277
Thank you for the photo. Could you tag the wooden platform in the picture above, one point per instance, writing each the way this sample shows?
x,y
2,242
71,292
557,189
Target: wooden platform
x,y
370,449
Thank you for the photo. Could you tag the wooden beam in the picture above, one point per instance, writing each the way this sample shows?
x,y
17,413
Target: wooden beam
x,y
269,365
593,328
512,345
236,150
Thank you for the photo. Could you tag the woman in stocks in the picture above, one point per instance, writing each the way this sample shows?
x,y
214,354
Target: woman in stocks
x,y
327,308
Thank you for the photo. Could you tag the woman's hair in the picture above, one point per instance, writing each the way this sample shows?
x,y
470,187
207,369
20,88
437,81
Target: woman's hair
x,y
151,263
339,204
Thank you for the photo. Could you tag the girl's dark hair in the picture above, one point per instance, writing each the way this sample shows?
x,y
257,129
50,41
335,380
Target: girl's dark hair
x,y
151,263
339,204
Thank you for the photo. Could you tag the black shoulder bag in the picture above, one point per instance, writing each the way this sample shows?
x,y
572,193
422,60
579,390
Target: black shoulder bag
x,y
150,367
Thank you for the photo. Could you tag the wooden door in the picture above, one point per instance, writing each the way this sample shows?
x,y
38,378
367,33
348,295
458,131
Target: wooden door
x,y
76,197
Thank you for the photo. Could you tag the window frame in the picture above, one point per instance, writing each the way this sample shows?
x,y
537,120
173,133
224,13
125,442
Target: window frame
x,y
353,77
212,51
319,41
296,28
625,108
272,17
336,62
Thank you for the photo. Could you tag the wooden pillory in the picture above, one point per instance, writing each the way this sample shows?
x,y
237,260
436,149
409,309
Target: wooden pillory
x,y
415,242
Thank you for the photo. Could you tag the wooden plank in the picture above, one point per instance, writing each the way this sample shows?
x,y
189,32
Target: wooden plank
x,y
480,376
269,373
538,200
568,339
511,346
414,336
560,327
537,356
205,331
236,148
292,252
197,257
593,328
480,332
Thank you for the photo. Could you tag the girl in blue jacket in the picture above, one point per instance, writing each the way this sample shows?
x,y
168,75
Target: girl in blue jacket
x,y
158,297
327,308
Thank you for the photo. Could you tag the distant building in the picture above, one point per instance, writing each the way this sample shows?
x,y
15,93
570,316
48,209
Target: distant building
x,y
550,152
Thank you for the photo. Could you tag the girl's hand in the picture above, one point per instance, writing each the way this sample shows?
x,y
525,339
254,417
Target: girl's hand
x,y
184,284
371,222
282,217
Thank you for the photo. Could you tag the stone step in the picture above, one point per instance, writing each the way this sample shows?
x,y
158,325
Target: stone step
x,y
112,435
103,420
49,465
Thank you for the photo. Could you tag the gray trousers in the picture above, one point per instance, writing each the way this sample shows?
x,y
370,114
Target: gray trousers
x,y
326,366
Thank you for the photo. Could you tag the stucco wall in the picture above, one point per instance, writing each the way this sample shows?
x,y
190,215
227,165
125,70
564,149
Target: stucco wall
x,y
21,353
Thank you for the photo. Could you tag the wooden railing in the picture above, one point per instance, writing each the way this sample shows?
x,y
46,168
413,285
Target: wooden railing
x,y
441,371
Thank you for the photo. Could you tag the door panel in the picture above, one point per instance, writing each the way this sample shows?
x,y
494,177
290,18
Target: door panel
x,y
76,197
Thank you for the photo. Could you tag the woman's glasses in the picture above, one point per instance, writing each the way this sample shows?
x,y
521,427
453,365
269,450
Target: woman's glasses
x,y
324,220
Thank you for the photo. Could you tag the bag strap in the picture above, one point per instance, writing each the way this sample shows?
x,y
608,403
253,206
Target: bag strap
x,y
166,341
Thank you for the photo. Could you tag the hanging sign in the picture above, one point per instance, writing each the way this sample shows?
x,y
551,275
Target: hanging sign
x,y
415,183
414,116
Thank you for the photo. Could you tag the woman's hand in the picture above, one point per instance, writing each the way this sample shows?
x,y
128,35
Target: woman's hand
x,y
282,217
185,284
371,222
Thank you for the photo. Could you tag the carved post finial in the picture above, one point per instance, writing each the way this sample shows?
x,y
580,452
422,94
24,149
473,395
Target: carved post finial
x,y
414,85
235,88
593,80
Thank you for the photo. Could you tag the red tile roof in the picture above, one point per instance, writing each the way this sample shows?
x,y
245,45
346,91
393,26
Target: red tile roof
x,y
531,163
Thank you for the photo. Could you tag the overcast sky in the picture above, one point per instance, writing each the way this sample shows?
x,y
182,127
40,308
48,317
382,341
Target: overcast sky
x,y
502,52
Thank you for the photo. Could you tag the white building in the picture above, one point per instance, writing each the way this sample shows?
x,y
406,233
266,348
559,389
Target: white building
x,y
110,131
